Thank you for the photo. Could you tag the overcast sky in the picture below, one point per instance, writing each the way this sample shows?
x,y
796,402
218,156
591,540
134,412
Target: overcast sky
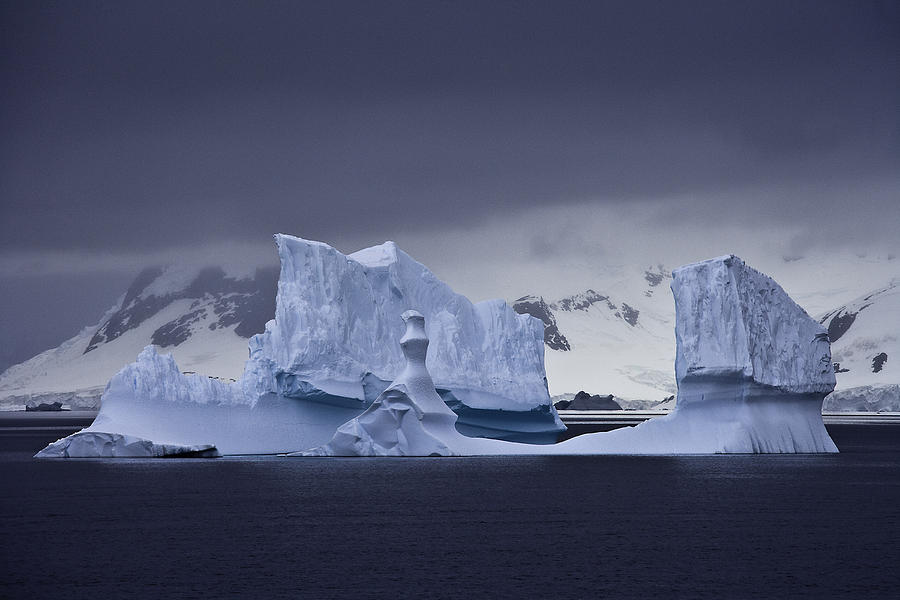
x,y
484,137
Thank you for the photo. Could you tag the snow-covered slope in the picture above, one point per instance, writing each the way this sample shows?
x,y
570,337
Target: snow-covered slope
x,y
203,316
615,338
865,341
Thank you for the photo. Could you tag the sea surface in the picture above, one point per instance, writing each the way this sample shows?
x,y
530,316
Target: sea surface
x,y
541,527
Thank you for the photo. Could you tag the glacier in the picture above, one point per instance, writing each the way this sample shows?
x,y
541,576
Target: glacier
x,y
328,354
752,369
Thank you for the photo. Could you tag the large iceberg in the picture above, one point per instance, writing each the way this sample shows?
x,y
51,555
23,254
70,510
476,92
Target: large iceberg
x,y
330,351
337,327
752,370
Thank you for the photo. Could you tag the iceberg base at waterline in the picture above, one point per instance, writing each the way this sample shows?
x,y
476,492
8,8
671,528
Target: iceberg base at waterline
x,y
726,416
735,416
94,444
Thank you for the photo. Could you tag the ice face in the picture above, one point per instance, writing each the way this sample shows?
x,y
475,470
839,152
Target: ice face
x,y
337,328
733,321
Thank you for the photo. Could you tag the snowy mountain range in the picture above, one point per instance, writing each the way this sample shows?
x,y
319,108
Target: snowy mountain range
x,y
202,316
613,336
620,340
616,339
865,348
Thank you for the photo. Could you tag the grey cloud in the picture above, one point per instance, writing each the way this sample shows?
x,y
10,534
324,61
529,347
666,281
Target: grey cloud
x,y
139,129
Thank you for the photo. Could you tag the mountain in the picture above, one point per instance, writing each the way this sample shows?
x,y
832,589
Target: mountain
x,y
865,348
203,316
614,338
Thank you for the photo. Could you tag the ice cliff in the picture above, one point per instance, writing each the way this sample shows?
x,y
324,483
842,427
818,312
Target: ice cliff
x,y
337,327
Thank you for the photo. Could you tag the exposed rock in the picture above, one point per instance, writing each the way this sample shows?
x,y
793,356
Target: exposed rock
x,y
249,303
43,406
585,401
536,307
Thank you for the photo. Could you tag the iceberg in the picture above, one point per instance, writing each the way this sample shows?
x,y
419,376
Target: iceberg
x,y
93,444
752,369
151,399
331,350
335,340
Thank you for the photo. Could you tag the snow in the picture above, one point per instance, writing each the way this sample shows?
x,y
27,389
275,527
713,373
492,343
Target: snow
x,y
865,398
752,369
873,329
607,354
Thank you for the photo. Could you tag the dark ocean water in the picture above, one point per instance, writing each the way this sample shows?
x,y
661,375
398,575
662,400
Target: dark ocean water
x,y
543,527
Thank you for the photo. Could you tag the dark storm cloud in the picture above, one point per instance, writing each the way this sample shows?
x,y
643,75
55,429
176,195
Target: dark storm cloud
x,y
144,125
135,133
